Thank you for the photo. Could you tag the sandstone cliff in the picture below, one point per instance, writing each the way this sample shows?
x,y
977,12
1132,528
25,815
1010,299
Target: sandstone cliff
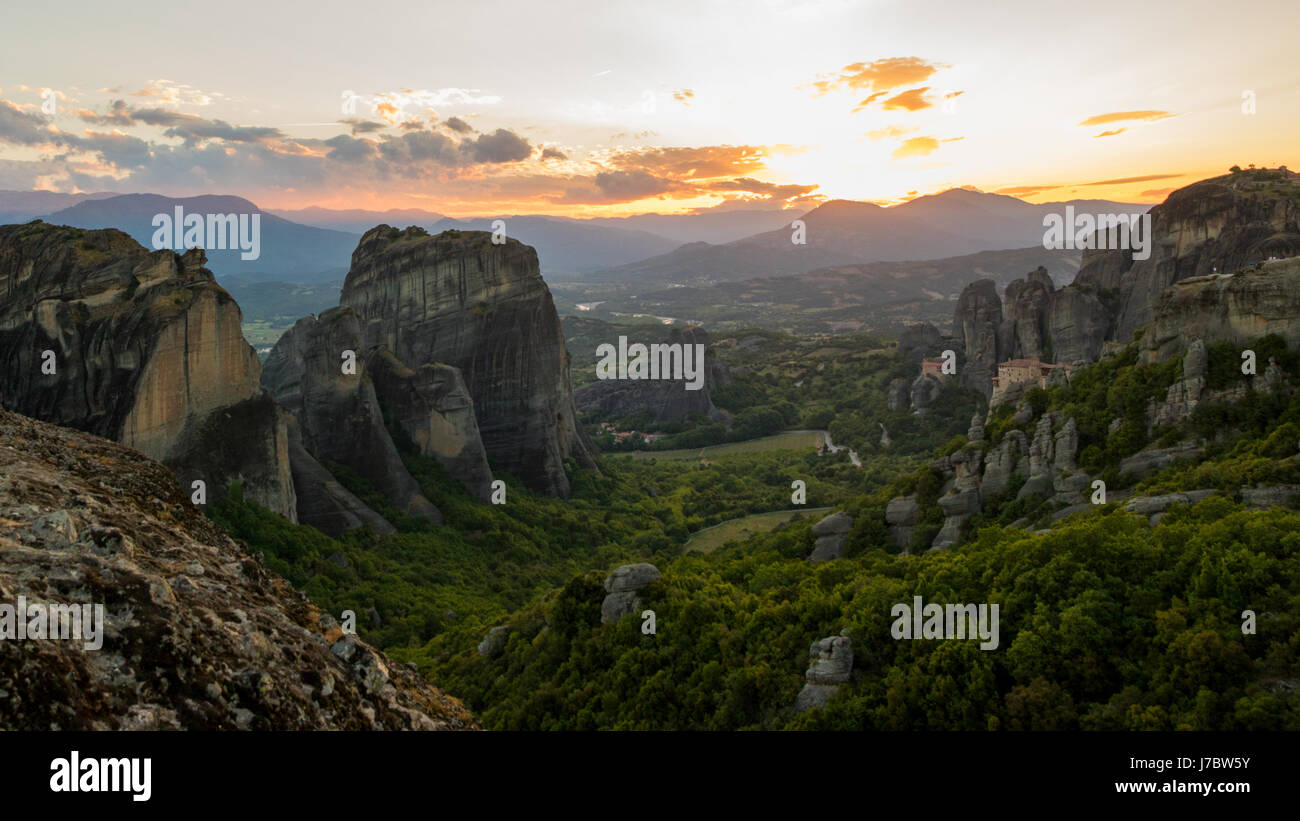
x,y
196,633
459,300
145,348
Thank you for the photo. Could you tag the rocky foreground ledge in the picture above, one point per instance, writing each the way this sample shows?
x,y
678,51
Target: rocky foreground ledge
x,y
196,635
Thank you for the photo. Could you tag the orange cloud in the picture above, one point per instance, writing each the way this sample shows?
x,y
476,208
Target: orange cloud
x,y
910,100
889,132
1126,180
879,75
916,147
1111,133
1150,115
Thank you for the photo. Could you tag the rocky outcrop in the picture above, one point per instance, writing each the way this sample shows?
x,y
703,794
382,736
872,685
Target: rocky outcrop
x,y
146,349
495,641
1263,498
1023,333
1219,225
898,396
901,516
830,664
925,389
1235,308
323,502
621,588
1033,321
196,633
431,405
482,308
978,323
664,399
831,533
921,341
332,395
1184,395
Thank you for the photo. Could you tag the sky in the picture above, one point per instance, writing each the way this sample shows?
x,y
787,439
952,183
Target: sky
x,y
614,108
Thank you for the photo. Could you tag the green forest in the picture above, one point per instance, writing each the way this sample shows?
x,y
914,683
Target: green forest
x,y
1108,622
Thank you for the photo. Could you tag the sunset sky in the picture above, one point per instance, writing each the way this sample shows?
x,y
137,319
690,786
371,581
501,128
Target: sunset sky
x,y
610,108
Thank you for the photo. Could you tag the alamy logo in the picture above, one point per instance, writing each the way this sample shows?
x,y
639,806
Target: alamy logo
x,y
952,621
53,622
1098,232
656,361
73,774
211,232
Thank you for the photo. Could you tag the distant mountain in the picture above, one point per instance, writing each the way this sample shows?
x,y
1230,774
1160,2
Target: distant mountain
x,y
844,232
17,207
359,221
289,251
567,246
708,226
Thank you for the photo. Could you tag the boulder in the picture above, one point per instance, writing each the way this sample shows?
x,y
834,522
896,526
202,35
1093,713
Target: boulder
x,y
622,586
495,641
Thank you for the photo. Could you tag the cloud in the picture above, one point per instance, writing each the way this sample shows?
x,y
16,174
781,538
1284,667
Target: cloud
x,y
1150,115
165,92
157,148
391,106
1126,180
703,162
879,75
889,132
458,125
498,147
1026,190
364,126
910,100
916,147
118,114
766,190
1110,133
1157,192
684,96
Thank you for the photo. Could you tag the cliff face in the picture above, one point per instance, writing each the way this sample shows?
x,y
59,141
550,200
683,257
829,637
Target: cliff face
x,y
1221,224
457,299
196,633
977,322
665,399
1227,307
330,392
147,350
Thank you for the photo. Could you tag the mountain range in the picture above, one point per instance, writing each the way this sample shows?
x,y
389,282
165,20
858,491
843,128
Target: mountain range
x,y
845,232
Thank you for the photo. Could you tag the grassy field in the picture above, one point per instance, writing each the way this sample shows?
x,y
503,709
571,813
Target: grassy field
x,y
710,539
790,440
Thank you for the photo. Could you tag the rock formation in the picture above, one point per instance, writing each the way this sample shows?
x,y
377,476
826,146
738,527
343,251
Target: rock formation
x,y
622,587
1219,225
482,308
831,533
1031,321
145,349
977,322
196,633
338,412
664,399
830,663
1235,308
901,516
